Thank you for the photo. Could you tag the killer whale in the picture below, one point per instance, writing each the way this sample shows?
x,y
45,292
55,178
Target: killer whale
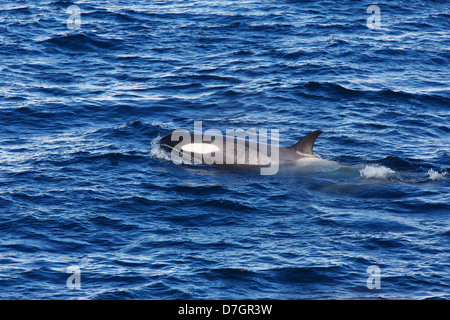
x,y
235,152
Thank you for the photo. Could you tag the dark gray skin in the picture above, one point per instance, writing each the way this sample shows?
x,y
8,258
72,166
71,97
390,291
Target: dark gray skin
x,y
286,155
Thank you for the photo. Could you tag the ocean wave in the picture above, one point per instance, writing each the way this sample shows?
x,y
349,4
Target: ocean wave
x,y
334,89
82,41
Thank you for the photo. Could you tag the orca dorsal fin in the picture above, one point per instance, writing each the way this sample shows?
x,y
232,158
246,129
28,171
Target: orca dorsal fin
x,y
305,145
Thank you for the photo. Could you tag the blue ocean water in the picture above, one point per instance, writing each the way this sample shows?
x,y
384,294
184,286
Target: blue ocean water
x,y
86,95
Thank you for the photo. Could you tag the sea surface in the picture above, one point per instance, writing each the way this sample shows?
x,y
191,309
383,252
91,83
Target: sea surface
x,y
92,208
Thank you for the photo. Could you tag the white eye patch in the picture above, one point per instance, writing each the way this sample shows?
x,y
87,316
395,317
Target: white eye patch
x,y
200,148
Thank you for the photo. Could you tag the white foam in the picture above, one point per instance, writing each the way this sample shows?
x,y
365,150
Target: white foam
x,y
157,152
376,172
434,175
